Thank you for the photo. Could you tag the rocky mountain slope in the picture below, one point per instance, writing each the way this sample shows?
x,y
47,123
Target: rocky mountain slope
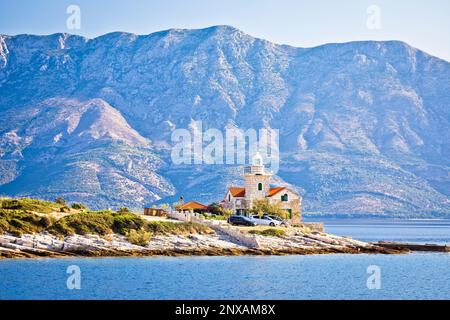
x,y
364,126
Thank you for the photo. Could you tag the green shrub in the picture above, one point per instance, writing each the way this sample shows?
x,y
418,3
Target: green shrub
x,y
45,222
123,210
214,216
217,210
61,201
123,223
271,232
4,226
139,237
79,206
84,223
98,222
218,217
26,204
18,222
263,206
64,209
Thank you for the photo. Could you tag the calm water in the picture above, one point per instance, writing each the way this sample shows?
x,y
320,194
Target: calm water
x,y
417,231
413,276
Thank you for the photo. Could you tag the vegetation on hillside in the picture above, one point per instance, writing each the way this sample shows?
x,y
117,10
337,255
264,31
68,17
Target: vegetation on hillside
x,y
18,222
26,204
17,216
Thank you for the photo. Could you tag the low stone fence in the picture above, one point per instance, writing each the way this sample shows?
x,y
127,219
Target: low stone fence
x,y
182,216
239,237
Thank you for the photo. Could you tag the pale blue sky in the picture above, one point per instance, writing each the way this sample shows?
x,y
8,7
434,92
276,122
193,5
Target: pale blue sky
x,y
424,24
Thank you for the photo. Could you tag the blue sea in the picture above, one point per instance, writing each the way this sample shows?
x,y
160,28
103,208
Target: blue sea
x,y
409,276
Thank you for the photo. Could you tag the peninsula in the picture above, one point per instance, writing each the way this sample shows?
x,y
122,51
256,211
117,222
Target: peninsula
x,y
32,228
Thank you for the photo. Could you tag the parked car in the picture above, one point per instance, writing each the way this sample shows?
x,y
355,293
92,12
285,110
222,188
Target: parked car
x,y
283,222
265,220
241,221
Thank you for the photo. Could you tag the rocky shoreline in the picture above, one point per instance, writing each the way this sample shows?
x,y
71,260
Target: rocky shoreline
x,y
47,245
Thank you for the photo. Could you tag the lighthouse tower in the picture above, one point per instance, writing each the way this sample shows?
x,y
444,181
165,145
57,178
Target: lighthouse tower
x,y
257,180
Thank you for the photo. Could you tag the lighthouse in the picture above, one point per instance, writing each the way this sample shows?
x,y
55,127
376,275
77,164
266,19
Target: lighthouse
x,y
257,180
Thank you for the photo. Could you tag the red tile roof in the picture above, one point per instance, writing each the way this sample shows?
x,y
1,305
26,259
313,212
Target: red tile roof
x,y
192,205
274,191
237,192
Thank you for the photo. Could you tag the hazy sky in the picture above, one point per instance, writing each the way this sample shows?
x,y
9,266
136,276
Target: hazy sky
x,y
425,24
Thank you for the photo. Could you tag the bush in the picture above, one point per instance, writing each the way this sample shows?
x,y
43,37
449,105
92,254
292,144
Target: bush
x,y
217,210
123,223
139,237
214,216
64,209
4,226
45,222
263,206
61,201
271,232
98,222
79,206
18,222
123,210
84,223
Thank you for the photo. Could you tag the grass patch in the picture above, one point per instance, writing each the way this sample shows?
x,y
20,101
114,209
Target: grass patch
x,y
97,222
79,206
18,222
27,204
271,232
124,222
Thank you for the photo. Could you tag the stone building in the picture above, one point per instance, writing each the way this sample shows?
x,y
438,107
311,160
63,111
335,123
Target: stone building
x,y
257,186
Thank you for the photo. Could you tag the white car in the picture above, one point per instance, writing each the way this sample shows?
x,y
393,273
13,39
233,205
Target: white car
x,y
265,220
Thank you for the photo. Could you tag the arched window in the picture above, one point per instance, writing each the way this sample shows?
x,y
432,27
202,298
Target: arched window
x,y
260,187
229,197
285,198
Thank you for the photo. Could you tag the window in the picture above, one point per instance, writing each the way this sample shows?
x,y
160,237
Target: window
x,y
285,198
260,187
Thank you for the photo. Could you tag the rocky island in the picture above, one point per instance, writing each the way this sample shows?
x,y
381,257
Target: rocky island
x,y
33,228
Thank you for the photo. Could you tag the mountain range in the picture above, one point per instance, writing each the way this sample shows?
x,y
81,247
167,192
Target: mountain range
x,y
364,126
